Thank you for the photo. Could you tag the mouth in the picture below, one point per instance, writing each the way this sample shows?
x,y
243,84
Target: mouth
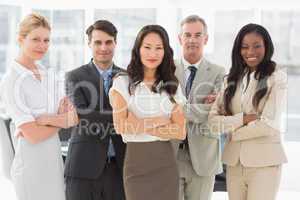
x,y
192,46
152,60
252,59
40,52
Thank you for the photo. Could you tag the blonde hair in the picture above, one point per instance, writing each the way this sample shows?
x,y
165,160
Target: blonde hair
x,y
31,22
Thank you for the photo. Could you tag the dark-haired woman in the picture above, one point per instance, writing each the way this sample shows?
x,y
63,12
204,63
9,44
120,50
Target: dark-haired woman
x,y
249,110
147,106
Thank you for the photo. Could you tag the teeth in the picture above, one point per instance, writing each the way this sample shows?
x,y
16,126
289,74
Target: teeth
x,y
251,59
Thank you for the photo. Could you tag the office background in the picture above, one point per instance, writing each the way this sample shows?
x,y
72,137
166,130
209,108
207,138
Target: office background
x,y
69,49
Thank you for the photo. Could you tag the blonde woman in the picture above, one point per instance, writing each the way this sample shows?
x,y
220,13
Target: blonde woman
x,y
31,97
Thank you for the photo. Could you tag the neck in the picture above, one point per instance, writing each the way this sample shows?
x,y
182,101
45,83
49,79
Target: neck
x,y
102,65
149,75
252,69
26,62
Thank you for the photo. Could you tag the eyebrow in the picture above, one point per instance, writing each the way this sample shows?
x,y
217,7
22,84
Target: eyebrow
x,y
153,44
103,41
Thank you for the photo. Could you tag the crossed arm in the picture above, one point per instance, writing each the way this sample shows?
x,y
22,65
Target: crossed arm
x,y
248,126
126,122
48,124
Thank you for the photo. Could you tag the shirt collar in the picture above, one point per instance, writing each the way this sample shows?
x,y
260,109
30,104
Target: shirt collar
x,y
109,70
23,70
186,64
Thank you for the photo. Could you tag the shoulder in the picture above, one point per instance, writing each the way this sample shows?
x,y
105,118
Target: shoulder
x,y
214,67
119,69
121,78
279,76
78,71
178,62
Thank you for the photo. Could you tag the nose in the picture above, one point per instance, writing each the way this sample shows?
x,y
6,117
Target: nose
x,y
153,53
103,47
43,45
191,39
250,51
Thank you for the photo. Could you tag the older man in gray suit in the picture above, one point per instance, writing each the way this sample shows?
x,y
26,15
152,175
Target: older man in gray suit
x,y
199,155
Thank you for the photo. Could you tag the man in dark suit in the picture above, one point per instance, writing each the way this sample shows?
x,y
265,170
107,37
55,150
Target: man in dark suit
x,y
95,158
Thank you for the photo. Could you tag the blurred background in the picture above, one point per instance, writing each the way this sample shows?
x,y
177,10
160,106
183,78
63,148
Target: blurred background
x,y
69,50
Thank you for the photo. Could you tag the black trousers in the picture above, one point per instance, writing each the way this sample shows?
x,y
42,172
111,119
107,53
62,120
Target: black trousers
x,y
109,186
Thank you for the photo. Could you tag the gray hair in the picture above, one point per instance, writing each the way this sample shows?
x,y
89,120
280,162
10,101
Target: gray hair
x,y
193,19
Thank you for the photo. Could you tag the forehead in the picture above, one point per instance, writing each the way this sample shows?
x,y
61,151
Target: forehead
x,y
152,38
39,32
192,27
252,38
101,36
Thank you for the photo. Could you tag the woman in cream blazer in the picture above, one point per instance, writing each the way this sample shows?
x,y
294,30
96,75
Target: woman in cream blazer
x,y
248,110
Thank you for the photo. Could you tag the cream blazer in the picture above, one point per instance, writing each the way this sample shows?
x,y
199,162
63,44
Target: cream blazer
x,y
257,144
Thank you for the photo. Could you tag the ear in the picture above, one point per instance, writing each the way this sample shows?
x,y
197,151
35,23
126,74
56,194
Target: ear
x,y
206,39
179,39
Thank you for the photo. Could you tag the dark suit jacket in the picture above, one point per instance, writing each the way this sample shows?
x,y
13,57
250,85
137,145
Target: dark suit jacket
x,y
89,141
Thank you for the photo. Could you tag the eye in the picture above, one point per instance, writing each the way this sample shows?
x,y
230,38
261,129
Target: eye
x,y
258,46
198,35
187,35
109,42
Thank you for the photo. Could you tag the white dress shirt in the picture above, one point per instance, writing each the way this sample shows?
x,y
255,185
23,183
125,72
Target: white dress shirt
x,y
145,103
37,169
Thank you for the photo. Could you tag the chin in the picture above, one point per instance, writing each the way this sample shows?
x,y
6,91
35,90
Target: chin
x,y
37,57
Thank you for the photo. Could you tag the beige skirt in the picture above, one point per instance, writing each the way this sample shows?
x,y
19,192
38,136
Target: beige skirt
x,y
150,171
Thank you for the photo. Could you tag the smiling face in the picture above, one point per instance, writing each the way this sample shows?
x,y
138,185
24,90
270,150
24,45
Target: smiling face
x,y
103,47
252,50
152,51
193,38
35,44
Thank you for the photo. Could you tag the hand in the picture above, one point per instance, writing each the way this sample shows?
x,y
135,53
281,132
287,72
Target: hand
x,y
209,99
247,118
18,133
65,105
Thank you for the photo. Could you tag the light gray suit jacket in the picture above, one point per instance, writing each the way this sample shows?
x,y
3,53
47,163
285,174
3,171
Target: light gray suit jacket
x,y
204,147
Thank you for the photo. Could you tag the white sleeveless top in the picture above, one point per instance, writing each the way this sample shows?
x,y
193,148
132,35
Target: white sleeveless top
x,y
145,103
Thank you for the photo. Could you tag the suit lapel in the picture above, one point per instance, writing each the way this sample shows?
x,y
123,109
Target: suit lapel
x,y
236,101
200,77
95,78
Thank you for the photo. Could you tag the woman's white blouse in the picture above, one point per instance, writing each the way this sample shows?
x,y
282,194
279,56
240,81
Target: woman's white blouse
x,y
26,97
145,103
37,169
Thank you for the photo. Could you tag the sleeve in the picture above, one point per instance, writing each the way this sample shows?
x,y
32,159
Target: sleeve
x,y
14,99
179,96
220,123
120,84
270,119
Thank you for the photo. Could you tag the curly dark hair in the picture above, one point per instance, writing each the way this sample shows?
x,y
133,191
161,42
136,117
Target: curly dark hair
x,y
165,71
238,67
